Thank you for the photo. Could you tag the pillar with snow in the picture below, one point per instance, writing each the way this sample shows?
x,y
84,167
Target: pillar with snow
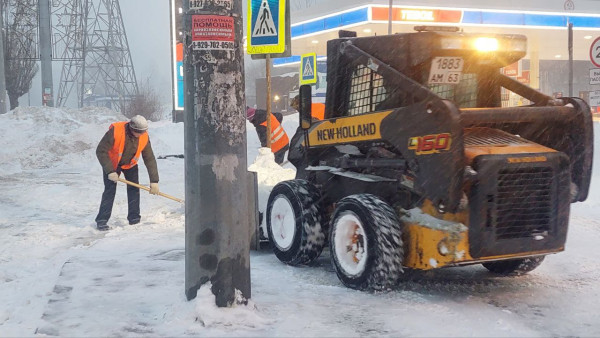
x,y
216,220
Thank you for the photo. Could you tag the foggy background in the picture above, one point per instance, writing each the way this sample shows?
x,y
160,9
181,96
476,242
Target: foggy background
x,y
147,25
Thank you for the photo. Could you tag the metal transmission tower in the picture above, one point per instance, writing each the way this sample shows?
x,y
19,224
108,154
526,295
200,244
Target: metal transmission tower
x,y
97,57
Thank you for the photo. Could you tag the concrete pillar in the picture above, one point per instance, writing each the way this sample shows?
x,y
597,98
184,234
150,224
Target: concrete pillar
x,y
217,241
46,53
2,73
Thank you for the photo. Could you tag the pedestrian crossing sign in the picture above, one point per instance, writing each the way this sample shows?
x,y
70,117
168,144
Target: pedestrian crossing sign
x,y
266,26
308,69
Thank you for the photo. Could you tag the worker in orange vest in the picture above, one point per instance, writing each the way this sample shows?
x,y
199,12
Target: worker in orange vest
x,y
317,110
119,151
279,139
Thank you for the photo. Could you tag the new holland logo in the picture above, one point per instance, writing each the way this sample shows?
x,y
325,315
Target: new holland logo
x,y
264,26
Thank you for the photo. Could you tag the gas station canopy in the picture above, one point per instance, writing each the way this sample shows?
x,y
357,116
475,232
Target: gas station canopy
x,y
546,32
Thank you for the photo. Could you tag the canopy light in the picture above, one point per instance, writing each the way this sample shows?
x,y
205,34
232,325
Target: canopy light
x,y
486,44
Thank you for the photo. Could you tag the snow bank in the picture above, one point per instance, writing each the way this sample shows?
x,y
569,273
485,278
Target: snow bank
x,y
41,137
236,317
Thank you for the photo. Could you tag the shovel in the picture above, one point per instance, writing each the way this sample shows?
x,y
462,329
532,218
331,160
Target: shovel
x,y
148,189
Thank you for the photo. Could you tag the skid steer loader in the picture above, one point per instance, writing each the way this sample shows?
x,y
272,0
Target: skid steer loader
x,y
417,165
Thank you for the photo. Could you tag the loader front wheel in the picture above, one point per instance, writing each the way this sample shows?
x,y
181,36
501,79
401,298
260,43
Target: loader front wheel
x,y
514,267
365,243
294,222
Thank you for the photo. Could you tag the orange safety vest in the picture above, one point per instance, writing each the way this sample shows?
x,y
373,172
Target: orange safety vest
x,y
317,110
116,152
279,138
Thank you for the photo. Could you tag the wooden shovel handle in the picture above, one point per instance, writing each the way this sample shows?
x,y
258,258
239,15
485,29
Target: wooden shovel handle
x,y
148,189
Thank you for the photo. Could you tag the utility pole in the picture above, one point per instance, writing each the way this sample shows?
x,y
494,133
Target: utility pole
x,y
2,74
217,244
46,52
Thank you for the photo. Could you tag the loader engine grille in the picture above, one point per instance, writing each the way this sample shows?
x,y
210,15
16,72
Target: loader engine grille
x,y
524,202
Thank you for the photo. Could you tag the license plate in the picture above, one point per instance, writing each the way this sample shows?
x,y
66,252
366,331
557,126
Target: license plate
x,y
446,70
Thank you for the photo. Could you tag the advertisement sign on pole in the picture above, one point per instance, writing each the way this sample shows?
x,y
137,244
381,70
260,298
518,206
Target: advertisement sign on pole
x,y
200,4
212,32
308,68
595,76
267,26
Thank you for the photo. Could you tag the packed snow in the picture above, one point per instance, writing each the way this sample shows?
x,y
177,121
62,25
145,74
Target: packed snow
x,y
59,276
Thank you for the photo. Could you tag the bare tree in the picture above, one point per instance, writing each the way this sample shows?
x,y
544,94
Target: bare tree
x,y
146,103
20,47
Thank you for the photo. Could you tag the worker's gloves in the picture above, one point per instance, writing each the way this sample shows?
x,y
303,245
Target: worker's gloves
x,y
154,188
113,177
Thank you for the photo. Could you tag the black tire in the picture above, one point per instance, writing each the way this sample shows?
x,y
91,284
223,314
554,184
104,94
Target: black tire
x,y
514,267
304,239
376,220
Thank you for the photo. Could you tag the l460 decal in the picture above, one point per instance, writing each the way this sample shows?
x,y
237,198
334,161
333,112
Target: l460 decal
x,y
430,144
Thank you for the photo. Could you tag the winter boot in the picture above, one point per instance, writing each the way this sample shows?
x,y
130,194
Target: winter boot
x,y
102,226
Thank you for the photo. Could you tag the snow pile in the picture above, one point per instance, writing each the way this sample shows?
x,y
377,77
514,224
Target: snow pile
x,y
40,137
416,215
269,173
236,317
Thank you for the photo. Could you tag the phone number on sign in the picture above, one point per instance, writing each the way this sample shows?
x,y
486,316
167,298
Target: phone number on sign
x,y
210,45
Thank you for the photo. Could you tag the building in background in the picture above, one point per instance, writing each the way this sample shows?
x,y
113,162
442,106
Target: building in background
x,y
545,23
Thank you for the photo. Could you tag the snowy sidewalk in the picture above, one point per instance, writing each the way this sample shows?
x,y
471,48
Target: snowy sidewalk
x,y
130,283
116,288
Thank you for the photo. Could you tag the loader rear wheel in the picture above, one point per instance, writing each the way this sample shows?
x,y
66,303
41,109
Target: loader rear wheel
x,y
365,243
294,222
514,267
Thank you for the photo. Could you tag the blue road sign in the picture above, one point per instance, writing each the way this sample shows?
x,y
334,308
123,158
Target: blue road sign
x,y
266,26
308,68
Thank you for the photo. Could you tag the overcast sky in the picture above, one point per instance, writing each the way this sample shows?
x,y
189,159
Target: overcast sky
x,y
147,24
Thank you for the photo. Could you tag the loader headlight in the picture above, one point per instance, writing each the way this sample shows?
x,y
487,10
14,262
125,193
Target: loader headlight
x,y
484,44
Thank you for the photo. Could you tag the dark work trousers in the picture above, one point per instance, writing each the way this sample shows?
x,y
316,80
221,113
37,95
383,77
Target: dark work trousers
x,y
108,197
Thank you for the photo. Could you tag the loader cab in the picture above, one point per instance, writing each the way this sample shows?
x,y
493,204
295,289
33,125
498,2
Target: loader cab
x,y
459,67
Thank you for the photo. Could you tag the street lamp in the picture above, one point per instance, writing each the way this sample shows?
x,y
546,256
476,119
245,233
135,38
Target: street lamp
x,y
276,100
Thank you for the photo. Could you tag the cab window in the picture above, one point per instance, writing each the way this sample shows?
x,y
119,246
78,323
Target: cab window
x,y
366,91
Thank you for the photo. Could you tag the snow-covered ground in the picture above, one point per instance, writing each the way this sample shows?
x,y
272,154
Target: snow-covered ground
x,y
61,277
